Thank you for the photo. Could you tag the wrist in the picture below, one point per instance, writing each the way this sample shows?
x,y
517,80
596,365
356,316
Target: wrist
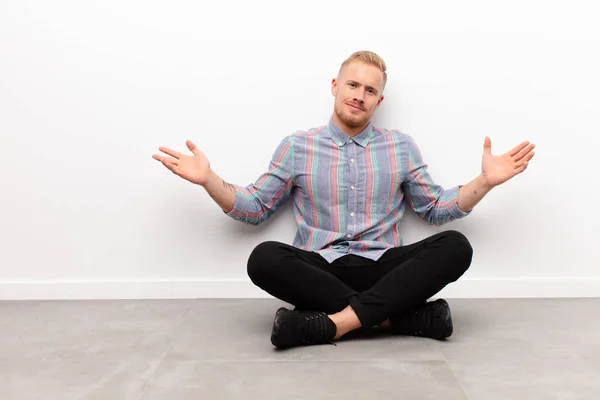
x,y
484,184
210,178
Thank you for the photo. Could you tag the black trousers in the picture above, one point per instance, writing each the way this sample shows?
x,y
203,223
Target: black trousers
x,y
402,278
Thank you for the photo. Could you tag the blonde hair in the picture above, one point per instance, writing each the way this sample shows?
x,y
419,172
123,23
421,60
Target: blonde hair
x,y
368,57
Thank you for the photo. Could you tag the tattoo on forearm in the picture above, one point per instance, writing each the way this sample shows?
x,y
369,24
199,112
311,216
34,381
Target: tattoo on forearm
x,y
228,186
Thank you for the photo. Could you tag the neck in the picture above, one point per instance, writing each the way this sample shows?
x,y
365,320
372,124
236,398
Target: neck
x,y
348,130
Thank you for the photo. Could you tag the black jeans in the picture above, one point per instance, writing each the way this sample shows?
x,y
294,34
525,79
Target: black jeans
x,y
402,278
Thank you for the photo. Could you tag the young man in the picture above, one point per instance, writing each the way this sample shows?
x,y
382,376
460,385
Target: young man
x,y
347,267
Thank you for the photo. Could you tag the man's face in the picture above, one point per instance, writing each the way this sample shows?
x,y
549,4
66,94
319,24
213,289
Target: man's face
x,y
358,92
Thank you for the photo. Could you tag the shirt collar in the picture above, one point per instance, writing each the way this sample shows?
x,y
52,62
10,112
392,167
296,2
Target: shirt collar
x,y
340,138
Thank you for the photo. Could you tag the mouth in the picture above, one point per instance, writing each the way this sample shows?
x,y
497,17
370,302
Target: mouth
x,y
355,107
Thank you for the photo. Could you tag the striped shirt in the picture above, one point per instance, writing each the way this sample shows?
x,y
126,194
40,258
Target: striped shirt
x,y
348,192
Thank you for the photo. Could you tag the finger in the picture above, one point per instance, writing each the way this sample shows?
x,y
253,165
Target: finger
x,y
170,152
518,148
487,145
192,147
177,171
530,156
526,151
172,167
166,163
521,166
164,159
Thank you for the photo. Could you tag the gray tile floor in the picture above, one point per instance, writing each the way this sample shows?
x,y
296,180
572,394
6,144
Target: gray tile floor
x,y
219,349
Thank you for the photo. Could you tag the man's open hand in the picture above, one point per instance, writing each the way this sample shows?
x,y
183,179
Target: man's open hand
x,y
498,169
195,168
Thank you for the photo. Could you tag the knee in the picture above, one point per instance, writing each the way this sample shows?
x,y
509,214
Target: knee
x,y
260,260
460,251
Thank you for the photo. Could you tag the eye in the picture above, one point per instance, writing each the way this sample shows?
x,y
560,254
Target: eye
x,y
351,84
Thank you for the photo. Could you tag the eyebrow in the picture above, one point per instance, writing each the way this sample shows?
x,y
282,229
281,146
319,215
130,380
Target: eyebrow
x,y
368,86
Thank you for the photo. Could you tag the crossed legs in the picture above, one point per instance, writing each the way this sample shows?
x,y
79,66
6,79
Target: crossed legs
x,y
355,291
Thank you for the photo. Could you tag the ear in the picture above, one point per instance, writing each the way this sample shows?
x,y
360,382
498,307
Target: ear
x,y
334,87
379,101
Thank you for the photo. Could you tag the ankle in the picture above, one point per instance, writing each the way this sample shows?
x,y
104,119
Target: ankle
x,y
385,324
345,321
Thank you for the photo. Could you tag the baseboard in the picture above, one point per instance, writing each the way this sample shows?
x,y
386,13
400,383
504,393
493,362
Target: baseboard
x,y
219,288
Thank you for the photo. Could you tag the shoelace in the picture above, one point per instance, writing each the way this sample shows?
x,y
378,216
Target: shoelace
x,y
417,321
316,329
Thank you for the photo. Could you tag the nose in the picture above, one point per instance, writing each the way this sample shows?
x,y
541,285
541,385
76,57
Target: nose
x,y
359,95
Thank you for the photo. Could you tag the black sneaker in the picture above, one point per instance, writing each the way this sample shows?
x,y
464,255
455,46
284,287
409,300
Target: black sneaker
x,y
432,320
296,328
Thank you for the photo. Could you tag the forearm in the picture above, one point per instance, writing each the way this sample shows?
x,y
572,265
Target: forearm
x,y
472,193
222,193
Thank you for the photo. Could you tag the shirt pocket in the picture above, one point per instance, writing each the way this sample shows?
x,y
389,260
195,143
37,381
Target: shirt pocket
x,y
386,185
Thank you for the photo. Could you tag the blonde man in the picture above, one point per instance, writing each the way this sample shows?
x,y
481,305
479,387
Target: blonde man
x,y
350,182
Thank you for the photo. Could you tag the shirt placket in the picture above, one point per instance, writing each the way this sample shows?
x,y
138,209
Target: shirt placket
x,y
352,167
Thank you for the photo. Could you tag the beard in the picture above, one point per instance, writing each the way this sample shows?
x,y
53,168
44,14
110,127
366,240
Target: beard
x,y
350,119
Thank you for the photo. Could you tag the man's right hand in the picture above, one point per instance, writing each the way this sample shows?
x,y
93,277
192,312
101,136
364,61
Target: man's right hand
x,y
195,169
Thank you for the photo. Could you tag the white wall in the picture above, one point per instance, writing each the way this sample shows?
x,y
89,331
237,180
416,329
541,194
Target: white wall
x,y
89,90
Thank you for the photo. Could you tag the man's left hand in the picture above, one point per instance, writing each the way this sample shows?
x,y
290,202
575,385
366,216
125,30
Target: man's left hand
x,y
498,169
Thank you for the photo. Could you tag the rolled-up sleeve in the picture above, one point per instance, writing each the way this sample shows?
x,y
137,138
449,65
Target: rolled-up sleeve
x,y
429,200
257,202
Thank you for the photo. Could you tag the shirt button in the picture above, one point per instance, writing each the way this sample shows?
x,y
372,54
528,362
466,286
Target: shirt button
x,y
352,187
349,235
350,140
341,143
352,160
352,214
